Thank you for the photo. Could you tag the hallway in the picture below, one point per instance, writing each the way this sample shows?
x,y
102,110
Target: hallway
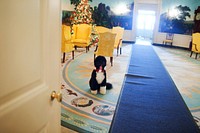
x,y
143,41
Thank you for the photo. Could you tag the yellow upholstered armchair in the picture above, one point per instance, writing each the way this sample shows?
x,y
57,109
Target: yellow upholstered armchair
x,y
81,35
195,44
106,45
101,29
119,31
67,45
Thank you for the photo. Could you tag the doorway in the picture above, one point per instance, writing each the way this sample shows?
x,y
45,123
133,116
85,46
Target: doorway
x,y
145,25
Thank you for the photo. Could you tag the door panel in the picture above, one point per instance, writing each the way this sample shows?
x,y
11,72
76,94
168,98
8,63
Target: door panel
x,y
20,41
30,65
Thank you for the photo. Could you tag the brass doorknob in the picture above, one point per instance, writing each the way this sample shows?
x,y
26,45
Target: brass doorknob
x,y
58,96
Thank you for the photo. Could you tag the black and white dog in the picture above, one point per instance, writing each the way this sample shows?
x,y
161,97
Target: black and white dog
x,y
98,82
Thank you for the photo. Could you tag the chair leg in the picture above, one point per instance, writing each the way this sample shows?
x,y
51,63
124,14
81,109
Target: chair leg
x,y
120,50
191,53
86,49
111,61
196,56
72,54
117,51
96,48
63,61
94,56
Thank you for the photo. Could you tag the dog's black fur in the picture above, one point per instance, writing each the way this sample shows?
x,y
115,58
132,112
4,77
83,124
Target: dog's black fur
x,y
100,64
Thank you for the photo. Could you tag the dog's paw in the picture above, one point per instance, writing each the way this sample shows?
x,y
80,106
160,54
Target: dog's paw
x,y
103,90
94,92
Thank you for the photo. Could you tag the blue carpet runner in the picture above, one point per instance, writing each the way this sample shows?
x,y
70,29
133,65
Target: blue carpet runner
x,y
149,101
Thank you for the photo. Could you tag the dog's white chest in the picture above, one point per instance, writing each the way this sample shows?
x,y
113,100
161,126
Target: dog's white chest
x,y
100,77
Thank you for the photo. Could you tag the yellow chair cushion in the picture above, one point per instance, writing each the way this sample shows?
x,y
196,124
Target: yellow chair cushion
x,y
168,41
79,41
82,32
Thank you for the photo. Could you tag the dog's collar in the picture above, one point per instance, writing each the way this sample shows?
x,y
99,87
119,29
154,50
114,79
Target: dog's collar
x,y
97,70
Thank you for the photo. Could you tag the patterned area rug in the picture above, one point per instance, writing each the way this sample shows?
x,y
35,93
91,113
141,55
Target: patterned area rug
x,y
185,72
81,111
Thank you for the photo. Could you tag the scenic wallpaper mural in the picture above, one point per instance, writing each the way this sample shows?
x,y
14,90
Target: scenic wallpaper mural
x,y
178,16
102,12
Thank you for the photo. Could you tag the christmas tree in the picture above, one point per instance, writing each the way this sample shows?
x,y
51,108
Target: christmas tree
x,y
82,13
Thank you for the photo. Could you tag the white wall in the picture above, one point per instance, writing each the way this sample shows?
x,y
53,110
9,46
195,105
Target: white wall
x,y
66,5
128,35
179,39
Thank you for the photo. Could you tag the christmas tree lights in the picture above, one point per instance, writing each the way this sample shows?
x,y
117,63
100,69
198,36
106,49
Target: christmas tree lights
x,y
82,13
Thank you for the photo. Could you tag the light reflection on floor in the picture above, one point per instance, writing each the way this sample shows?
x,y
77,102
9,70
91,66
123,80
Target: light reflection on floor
x,y
143,41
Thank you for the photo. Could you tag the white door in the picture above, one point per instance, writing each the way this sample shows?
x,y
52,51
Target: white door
x,y
29,66
145,24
